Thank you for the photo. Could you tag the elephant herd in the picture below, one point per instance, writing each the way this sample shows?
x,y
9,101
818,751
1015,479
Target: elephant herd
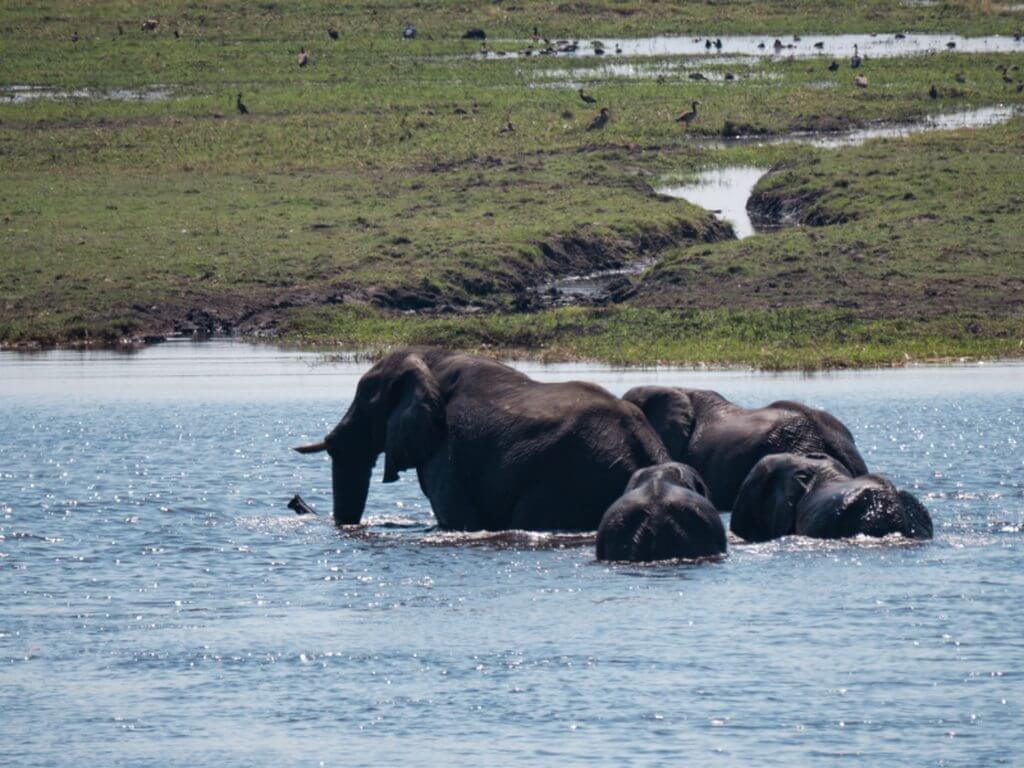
x,y
651,471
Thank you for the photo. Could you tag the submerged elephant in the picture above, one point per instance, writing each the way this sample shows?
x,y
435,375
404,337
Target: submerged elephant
x,y
723,441
663,514
815,495
492,448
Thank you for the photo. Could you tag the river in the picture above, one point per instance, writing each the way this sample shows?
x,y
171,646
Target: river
x,y
162,606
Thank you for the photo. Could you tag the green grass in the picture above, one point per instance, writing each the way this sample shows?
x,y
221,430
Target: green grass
x,y
381,176
766,339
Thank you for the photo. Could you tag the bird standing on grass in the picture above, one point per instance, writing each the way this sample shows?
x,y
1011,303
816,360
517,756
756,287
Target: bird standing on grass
x,y
861,81
855,59
303,57
834,66
600,121
690,115
586,97
240,106
332,33
933,91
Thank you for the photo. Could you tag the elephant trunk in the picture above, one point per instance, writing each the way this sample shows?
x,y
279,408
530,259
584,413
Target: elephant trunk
x,y
350,481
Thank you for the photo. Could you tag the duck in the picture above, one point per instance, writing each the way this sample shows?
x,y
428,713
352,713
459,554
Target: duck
x,y
242,110
933,91
707,45
834,66
861,81
688,117
303,57
332,33
777,45
1017,35
760,46
618,49
586,97
600,121
697,76
855,59
819,45
718,43
900,36
730,76
951,45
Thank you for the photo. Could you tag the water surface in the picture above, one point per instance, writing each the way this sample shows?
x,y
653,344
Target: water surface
x,y
161,606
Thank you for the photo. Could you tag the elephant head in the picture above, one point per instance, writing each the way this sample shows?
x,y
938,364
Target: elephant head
x,y
663,514
816,495
670,411
398,410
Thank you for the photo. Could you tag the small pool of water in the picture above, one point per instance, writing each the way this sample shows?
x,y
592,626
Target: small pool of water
x,y
882,45
724,192
22,94
161,606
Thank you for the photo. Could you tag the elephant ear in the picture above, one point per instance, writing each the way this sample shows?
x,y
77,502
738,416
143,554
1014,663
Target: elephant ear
x,y
766,505
415,425
670,412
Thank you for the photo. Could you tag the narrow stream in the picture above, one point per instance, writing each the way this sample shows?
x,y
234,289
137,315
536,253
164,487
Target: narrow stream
x,y
726,191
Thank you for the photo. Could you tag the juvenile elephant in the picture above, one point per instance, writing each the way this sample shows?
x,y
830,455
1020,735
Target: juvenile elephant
x,y
816,496
492,448
723,441
663,514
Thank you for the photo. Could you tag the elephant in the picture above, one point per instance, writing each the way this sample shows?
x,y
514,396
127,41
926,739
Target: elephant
x,y
815,495
723,441
663,514
492,448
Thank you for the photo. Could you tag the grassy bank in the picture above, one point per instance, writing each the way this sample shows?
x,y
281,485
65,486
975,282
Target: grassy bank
x,y
773,340
402,177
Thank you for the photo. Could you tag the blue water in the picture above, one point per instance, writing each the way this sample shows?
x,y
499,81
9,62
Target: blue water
x,y
159,605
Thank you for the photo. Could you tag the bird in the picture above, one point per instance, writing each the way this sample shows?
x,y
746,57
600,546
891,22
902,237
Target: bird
x,y
408,32
618,49
242,110
149,25
951,45
586,97
303,57
718,43
819,45
177,34
120,29
1017,35
332,33
599,121
777,45
959,77
707,45
688,117
536,34
760,46
861,81
900,36
74,37
730,76
833,66
507,128
933,91
697,76
1007,78
855,59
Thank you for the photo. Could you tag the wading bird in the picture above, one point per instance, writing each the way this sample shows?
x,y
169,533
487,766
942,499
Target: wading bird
x,y
586,97
855,59
600,121
689,116
242,110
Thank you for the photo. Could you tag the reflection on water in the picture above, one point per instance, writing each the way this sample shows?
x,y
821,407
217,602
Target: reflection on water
x,y
161,605
723,191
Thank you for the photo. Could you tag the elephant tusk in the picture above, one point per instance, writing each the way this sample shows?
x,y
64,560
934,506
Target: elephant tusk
x,y
311,448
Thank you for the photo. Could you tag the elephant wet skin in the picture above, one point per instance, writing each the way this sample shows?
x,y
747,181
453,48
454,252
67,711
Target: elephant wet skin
x,y
723,441
814,495
492,448
664,514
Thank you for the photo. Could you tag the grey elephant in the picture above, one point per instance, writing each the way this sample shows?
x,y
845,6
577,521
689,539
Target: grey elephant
x,y
492,448
817,496
723,441
663,514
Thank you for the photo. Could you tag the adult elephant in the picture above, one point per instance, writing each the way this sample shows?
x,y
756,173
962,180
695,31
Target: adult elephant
x,y
723,441
663,514
816,496
492,448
